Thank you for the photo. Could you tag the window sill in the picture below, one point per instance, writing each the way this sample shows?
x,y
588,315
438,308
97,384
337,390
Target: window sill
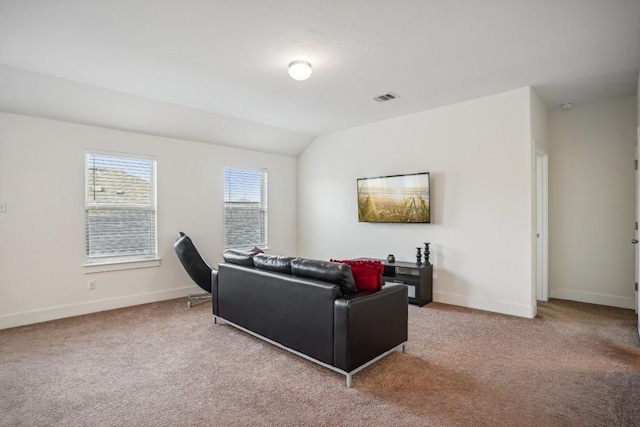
x,y
103,266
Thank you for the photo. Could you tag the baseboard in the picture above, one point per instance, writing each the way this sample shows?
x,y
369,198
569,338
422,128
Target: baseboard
x,y
502,307
592,298
52,313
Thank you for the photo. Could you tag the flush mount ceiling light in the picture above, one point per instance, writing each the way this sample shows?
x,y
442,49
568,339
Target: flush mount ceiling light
x,y
299,70
566,106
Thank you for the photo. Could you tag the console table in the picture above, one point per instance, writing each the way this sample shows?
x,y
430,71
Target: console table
x,y
417,277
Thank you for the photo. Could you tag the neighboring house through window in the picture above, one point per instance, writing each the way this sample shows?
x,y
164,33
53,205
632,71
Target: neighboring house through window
x,y
120,208
245,208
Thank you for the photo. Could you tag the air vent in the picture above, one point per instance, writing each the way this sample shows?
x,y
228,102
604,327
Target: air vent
x,y
386,97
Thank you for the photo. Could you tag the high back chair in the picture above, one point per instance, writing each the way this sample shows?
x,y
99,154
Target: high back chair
x,y
196,267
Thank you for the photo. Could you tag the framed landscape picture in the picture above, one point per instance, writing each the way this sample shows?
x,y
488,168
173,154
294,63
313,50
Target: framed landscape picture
x,y
395,198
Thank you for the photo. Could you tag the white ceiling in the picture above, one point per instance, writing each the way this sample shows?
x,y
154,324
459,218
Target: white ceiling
x,y
215,70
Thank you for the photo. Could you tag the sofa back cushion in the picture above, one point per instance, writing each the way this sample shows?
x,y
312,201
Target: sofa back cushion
x,y
277,263
332,272
236,256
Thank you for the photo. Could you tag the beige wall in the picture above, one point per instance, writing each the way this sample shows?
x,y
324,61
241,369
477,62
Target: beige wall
x,y
592,196
479,156
42,247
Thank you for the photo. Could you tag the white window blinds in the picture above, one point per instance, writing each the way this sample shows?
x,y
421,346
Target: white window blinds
x,y
245,208
120,207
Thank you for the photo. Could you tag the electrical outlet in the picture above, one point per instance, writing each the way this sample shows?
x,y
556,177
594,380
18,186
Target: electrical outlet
x,y
3,206
92,285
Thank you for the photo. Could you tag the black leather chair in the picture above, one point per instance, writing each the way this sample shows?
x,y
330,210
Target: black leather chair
x,y
197,268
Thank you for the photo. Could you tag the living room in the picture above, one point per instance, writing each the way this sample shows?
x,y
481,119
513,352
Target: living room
x,y
477,136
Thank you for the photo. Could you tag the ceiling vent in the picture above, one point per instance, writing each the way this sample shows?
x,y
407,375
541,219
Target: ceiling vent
x,y
386,97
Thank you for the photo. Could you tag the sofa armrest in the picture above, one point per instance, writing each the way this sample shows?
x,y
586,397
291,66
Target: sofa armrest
x,y
367,324
214,291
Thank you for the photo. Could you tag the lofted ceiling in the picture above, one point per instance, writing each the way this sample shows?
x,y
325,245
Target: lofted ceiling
x,y
216,70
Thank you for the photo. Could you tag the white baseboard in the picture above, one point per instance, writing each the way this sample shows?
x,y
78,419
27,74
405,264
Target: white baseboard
x,y
52,313
592,298
502,307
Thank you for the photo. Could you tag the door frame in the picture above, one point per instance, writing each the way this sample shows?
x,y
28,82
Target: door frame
x,y
637,249
542,222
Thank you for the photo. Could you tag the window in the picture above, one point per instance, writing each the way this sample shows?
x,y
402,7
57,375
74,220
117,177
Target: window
x,y
120,208
245,208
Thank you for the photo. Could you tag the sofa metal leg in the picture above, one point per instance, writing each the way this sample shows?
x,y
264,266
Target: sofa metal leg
x,y
348,380
404,348
195,299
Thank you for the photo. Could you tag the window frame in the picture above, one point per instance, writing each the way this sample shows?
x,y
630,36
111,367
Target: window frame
x,y
118,262
264,206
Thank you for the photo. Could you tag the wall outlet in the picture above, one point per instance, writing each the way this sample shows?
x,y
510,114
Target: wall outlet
x,y
3,206
92,285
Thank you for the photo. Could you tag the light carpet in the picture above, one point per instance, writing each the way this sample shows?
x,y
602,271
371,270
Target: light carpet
x,y
164,364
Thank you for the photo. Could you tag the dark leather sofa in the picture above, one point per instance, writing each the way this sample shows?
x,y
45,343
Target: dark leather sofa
x,y
311,308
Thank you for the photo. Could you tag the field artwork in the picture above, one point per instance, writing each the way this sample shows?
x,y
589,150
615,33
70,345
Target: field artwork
x,y
402,198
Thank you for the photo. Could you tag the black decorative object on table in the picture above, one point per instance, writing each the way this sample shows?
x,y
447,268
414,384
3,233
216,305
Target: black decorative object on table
x,y
426,254
418,255
391,258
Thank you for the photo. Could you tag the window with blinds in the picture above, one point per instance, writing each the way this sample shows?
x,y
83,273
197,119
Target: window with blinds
x,y
120,208
245,208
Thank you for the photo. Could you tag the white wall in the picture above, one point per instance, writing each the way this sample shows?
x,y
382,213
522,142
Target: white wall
x,y
592,196
42,245
479,156
539,121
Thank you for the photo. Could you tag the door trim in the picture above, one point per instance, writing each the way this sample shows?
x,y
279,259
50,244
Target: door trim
x,y
637,249
542,222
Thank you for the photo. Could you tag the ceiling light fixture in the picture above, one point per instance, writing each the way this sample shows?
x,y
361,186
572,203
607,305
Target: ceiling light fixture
x,y
566,105
299,70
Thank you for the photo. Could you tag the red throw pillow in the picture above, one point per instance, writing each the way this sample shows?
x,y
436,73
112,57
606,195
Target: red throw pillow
x,y
366,273
257,250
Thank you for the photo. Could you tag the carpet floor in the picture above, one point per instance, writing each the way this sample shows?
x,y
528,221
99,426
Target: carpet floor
x,y
164,364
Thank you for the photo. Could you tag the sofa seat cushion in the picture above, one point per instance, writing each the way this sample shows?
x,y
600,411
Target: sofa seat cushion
x,y
367,274
332,272
277,263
